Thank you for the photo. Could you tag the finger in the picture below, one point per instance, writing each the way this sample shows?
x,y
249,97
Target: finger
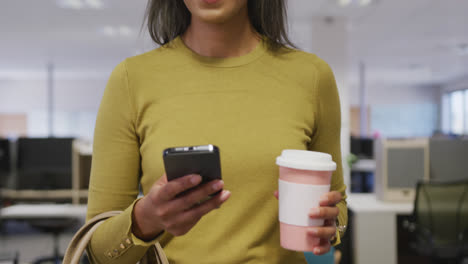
x,y
276,194
330,222
324,212
188,219
326,232
322,248
331,198
200,210
193,197
174,187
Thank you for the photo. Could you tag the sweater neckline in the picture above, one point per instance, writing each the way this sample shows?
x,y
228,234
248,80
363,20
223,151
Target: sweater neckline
x,y
256,53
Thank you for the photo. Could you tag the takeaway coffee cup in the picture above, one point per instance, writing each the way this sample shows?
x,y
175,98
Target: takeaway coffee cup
x,y
304,177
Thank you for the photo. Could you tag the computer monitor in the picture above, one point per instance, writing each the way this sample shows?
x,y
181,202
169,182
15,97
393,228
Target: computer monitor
x,y
44,163
448,159
362,147
5,161
400,164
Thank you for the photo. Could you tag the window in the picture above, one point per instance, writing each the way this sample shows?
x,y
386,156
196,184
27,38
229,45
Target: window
x,y
404,120
446,114
466,112
455,112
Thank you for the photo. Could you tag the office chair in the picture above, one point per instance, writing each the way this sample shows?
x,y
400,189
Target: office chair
x,y
45,164
56,227
439,222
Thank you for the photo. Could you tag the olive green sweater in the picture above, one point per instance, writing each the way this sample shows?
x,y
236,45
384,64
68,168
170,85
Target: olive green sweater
x,y
251,107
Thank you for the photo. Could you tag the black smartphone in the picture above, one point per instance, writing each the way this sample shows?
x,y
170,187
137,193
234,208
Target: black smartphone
x,y
203,160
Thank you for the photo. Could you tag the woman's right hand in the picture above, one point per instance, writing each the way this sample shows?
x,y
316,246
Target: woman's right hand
x,y
162,210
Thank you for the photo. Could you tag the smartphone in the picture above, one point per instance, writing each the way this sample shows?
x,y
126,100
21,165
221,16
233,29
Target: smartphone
x,y
202,160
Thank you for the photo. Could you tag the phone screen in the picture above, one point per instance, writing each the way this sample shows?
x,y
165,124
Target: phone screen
x,y
203,160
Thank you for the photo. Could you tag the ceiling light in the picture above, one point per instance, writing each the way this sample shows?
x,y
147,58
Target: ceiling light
x,y
80,4
94,4
365,2
125,31
109,31
344,2
121,31
71,4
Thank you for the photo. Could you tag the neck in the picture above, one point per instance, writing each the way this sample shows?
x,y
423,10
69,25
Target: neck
x,y
233,38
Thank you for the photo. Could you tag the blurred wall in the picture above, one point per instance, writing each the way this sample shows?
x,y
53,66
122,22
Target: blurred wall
x,y
76,102
400,110
396,94
70,94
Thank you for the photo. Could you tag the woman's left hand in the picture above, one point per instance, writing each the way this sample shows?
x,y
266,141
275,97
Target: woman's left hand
x,y
328,211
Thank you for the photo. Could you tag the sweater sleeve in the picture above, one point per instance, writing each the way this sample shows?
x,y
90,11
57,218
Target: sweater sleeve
x,y
115,175
326,137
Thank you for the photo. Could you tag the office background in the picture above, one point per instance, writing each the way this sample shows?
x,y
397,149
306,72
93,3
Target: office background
x,y
401,67
413,52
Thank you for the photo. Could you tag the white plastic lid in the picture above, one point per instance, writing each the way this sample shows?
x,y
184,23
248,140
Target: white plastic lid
x,y
306,160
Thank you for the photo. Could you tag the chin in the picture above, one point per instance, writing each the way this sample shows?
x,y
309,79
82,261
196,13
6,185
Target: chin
x,y
214,16
218,12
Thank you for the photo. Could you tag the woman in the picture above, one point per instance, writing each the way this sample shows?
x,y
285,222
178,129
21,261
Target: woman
x,y
223,76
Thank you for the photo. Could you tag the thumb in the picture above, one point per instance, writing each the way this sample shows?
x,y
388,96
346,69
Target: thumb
x,y
157,185
276,194
161,181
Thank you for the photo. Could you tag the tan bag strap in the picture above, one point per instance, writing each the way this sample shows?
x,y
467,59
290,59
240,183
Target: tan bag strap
x,y
81,239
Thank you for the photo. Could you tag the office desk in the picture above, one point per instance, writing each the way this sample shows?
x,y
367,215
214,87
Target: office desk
x,y
374,234
43,195
82,152
43,211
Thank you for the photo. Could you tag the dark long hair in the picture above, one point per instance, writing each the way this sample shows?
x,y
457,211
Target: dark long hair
x,y
167,19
